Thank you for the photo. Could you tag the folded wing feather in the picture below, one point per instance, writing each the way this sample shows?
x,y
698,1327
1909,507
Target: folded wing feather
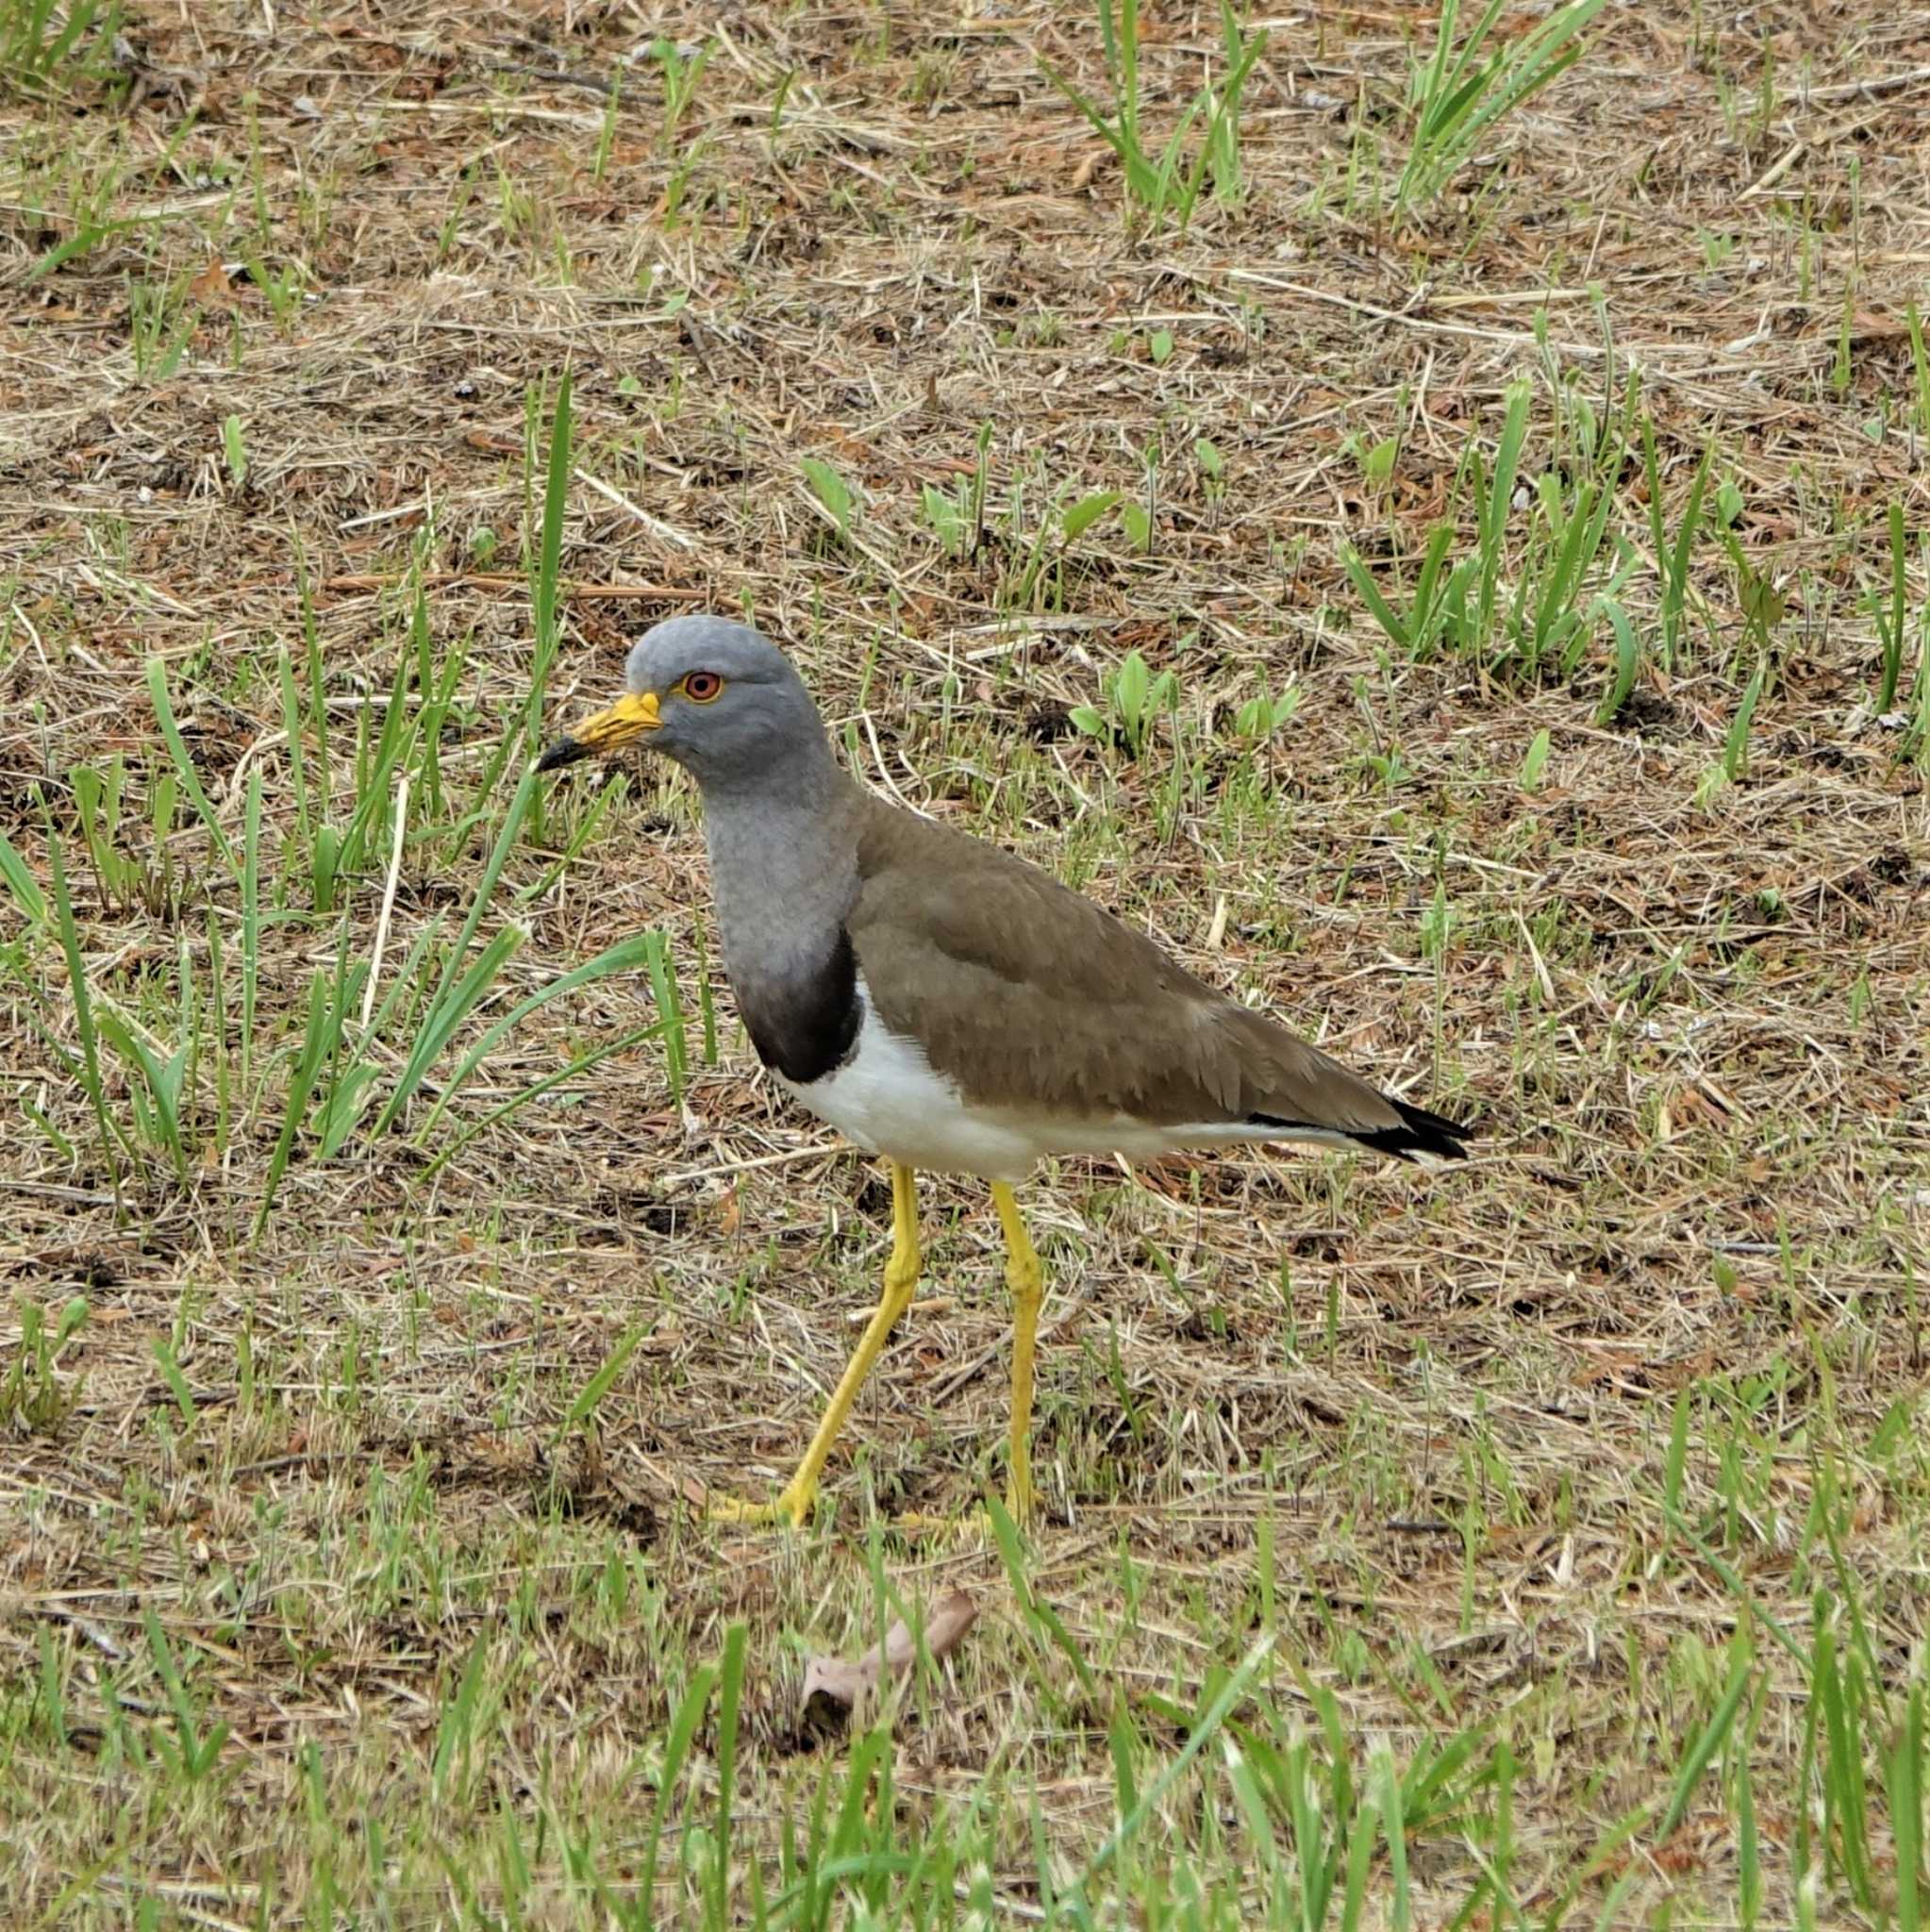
x,y
1029,996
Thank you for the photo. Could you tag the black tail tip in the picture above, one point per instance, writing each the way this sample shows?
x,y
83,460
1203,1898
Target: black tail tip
x,y
1421,1134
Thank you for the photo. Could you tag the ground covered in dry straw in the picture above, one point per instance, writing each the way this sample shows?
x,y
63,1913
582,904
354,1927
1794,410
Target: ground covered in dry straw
x,y
1563,1516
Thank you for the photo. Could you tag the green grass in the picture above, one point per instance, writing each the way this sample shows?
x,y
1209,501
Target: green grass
x,y
1521,604
60,49
1163,183
1472,82
181,1072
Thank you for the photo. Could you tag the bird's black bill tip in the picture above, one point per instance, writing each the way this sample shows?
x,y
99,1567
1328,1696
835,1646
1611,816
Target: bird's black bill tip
x,y
566,750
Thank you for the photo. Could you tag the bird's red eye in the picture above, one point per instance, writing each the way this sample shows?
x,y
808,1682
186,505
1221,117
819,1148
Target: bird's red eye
x,y
701,687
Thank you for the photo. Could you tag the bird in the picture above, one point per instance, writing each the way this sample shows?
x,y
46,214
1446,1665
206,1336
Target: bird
x,y
944,1003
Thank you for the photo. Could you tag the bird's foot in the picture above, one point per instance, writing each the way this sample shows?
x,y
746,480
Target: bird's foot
x,y
789,1509
973,1524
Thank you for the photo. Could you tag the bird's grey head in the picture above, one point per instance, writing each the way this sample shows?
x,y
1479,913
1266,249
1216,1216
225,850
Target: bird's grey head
x,y
713,696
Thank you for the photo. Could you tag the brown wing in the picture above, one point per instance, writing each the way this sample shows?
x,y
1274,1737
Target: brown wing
x,y
1029,996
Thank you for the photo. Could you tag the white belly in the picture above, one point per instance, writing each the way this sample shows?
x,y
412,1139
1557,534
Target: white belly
x,y
890,1099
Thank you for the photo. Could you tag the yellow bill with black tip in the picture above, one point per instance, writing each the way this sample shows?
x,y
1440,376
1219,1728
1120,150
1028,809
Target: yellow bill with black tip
x,y
627,721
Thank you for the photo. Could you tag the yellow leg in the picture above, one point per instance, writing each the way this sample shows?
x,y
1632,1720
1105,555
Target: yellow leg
x,y
793,1504
1026,1279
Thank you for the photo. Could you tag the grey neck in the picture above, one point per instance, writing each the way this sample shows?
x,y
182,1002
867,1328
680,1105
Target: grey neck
x,y
783,849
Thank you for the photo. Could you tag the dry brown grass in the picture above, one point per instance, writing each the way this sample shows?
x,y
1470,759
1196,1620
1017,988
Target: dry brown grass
x,y
1417,1428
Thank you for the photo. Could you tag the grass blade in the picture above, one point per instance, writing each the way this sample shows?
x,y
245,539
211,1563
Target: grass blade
x,y
537,1089
250,918
663,989
83,1006
452,998
676,1747
549,563
1710,1740
1393,1826
1038,1613
315,1047
178,1383
184,765
1891,629
1736,747
599,1384
22,883
1203,1734
1903,1774
445,1018
1627,661
730,1691
486,886
1383,612
1500,502
626,956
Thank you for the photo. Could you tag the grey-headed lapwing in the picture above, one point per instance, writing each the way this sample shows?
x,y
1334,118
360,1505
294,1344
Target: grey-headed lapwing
x,y
945,1004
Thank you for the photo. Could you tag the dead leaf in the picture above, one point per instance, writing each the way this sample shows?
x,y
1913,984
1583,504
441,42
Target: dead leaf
x,y
212,284
832,1687
1869,323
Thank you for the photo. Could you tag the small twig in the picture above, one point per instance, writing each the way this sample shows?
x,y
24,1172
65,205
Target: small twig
x,y
299,1459
1541,979
80,1197
827,1150
655,526
258,747
890,784
943,1390
1776,170
1877,84
552,77
501,580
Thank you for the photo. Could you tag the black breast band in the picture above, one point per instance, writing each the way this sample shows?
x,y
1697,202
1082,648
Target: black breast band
x,y
806,1026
